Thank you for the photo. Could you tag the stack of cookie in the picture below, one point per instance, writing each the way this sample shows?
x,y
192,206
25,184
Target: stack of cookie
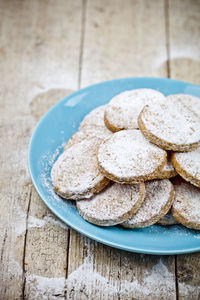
x,y
117,166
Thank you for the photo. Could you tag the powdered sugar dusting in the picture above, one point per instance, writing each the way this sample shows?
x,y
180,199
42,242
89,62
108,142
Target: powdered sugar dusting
x,y
187,201
45,180
88,133
48,159
85,279
172,122
111,204
94,118
19,225
167,171
123,110
127,154
157,196
188,101
45,164
76,173
38,287
190,162
186,291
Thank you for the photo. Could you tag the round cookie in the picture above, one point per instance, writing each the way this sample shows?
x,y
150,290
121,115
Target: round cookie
x,y
88,133
95,118
127,157
75,174
191,102
167,219
167,171
123,110
187,165
115,204
157,202
186,204
171,126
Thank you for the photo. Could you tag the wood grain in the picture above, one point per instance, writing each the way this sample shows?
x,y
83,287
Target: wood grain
x,y
45,253
47,50
123,38
184,45
39,62
111,50
184,41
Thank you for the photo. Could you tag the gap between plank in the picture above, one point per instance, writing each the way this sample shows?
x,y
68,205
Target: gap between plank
x,y
82,40
119,274
3,245
167,37
176,279
167,34
67,262
24,252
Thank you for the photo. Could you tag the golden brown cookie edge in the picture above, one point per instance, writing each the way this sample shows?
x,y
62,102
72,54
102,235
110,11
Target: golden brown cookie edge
x,y
183,173
155,219
124,217
162,143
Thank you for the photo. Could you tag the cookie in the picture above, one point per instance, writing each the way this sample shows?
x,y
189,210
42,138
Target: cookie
x,y
187,165
167,171
127,157
94,119
186,204
115,204
167,219
88,133
123,110
171,126
157,202
191,102
75,174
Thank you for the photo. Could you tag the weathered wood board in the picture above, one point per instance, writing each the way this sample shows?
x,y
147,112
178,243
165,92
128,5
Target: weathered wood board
x,y
47,50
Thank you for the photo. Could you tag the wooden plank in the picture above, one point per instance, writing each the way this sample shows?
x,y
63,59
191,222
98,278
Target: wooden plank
x,y
188,276
45,253
119,41
184,32
100,272
124,38
93,269
39,62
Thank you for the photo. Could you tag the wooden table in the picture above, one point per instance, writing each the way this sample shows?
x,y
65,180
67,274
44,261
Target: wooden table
x,y
48,49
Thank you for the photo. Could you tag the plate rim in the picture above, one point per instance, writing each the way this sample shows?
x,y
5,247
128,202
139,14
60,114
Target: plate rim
x,y
68,222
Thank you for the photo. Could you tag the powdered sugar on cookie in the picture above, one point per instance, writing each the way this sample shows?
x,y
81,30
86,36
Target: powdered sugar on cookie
x,y
94,118
170,123
123,110
186,205
167,171
127,157
109,146
113,205
188,165
157,202
75,174
191,102
88,133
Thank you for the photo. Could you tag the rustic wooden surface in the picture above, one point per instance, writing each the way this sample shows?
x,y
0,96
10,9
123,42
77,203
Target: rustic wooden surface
x,y
48,49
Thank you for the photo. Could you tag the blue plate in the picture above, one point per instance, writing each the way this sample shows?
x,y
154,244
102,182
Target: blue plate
x,y
55,128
